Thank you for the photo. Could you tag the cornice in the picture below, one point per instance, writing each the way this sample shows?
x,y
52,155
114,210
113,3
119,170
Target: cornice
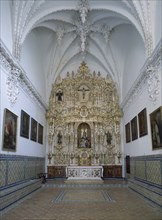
x,y
148,77
17,77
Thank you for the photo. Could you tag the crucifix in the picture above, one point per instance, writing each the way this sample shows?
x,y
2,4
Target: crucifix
x,y
83,90
59,95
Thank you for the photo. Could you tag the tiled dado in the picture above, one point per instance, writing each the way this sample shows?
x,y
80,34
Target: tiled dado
x,y
146,177
15,169
147,168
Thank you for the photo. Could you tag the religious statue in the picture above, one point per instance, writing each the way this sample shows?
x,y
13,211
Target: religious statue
x,y
108,137
59,138
85,142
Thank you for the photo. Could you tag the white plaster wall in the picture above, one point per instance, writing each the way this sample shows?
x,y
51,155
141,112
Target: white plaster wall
x,y
6,23
142,145
129,55
32,61
134,60
119,46
24,146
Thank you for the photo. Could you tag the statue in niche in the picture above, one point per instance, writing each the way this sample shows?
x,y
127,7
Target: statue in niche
x,y
84,142
59,138
59,95
108,137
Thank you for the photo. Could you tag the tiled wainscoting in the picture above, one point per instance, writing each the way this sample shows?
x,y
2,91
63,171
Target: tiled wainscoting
x,y
146,177
18,177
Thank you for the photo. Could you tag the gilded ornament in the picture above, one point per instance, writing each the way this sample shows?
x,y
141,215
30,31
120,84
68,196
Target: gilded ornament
x,y
82,108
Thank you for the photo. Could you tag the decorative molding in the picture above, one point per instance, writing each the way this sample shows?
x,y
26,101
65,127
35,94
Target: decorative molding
x,y
24,13
13,85
142,12
17,78
83,8
153,84
149,77
83,28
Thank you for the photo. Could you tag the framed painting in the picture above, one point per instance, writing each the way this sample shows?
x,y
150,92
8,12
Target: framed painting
x,y
142,122
40,134
9,131
156,128
127,132
33,131
134,130
24,127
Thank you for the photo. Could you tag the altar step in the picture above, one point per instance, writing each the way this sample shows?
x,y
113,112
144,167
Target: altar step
x,y
81,181
63,183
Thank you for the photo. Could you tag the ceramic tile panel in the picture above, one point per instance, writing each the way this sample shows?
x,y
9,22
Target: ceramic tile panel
x,y
15,168
3,170
40,166
140,169
147,178
15,171
132,168
153,171
30,168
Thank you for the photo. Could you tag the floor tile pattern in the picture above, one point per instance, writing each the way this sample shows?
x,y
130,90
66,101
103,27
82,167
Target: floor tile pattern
x,y
127,206
83,195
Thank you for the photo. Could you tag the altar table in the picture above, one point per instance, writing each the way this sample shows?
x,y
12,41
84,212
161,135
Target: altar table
x,y
84,172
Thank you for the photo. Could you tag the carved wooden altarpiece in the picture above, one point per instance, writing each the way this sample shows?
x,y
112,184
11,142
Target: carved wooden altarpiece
x,y
83,109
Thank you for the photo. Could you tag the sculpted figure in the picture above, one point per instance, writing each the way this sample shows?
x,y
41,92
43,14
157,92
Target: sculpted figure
x,y
59,138
108,137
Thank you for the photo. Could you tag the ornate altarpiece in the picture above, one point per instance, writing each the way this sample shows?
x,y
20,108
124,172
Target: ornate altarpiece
x,y
84,120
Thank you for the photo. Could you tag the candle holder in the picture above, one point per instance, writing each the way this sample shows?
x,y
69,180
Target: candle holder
x,y
119,154
49,157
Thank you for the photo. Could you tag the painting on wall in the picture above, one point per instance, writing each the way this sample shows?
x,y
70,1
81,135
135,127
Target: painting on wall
x,y
142,121
9,131
24,127
127,132
40,134
134,129
33,133
156,128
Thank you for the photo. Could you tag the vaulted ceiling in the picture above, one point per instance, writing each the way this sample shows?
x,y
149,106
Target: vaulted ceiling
x,y
98,32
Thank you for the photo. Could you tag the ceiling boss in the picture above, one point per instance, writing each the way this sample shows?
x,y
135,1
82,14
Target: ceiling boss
x,y
83,28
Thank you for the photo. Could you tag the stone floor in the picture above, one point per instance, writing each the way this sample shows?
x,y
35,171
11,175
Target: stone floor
x,y
110,200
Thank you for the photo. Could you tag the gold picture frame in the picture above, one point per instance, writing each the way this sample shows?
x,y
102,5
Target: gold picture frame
x,y
134,129
33,132
25,123
127,132
40,134
142,122
9,131
156,128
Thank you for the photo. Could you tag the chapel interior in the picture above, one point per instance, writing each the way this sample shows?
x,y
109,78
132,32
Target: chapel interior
x,y
81,107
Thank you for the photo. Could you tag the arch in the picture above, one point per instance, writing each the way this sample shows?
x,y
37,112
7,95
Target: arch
x,y
84,135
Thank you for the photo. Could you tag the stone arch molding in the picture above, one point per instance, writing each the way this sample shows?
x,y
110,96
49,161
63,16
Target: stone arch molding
x,y
84,115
